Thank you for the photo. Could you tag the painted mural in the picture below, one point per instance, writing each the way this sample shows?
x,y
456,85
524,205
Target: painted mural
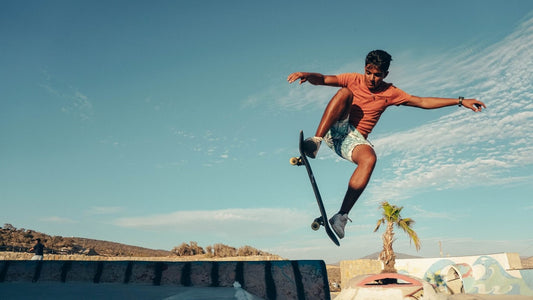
x,y
489,274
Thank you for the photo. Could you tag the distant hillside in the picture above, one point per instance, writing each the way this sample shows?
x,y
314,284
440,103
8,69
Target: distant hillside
x,y
21,240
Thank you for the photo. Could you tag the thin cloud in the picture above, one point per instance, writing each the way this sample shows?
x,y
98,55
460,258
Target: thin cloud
x,y
171,165
214,148
58,220
420,213
260,222
74,102
295,97
464,149
104,210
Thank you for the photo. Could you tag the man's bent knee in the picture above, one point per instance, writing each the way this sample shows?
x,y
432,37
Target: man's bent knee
x,y
345,92
344,95
343,98
364,156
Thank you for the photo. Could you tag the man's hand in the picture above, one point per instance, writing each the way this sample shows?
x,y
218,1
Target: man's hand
x,y
314,78
474,104
297,75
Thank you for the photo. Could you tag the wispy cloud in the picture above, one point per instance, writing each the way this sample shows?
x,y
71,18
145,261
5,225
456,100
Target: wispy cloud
x,y
212,146
261,222
73,103
464,149
459,150
420,213
58,220
104,210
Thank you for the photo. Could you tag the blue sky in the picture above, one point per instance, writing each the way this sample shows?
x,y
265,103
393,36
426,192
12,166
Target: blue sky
x,y
157,123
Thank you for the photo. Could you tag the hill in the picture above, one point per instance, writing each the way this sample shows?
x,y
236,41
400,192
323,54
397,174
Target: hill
x,y
21,240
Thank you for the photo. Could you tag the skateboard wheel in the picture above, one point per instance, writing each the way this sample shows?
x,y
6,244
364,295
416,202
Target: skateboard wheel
x,y
294,161
315,225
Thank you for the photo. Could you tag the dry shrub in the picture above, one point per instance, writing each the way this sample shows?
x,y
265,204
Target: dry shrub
x,y
221,250
188,250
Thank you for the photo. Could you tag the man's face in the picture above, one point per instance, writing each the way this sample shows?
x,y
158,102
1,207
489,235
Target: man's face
x,y
374,77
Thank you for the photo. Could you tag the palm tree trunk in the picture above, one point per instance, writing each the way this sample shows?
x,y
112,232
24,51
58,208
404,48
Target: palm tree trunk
x,y
387,256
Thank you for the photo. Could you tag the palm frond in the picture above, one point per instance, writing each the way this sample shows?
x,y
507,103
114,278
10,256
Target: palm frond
x,y
380,221
408,221
410,232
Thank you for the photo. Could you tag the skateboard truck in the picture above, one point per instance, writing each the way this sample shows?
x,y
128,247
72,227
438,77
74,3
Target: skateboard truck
x,y
296,161
317,223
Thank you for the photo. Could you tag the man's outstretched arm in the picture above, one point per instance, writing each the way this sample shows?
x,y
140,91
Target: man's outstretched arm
x,y
313,78
433,102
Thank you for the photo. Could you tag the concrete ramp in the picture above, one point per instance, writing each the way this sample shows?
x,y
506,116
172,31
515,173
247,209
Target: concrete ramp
x,y
302,279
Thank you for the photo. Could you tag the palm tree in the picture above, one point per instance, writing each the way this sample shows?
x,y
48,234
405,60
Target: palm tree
x,y
391,215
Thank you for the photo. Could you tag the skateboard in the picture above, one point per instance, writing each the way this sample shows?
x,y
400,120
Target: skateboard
x,y
322,220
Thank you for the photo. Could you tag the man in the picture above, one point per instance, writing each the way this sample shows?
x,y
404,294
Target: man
x,y
38,249
353,112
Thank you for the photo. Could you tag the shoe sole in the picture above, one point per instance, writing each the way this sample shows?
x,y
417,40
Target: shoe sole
x,y
336,231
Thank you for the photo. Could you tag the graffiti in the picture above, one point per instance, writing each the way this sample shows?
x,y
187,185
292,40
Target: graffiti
x,y
485,275
491,278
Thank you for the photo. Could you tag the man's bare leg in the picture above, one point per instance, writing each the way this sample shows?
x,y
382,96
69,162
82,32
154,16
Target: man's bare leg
x,y
365,158
338,109
363,155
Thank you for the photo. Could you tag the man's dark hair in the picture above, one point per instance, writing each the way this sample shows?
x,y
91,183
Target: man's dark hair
x,y
380,59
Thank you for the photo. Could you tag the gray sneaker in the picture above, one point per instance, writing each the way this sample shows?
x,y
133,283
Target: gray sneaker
x,y
311,146
338,222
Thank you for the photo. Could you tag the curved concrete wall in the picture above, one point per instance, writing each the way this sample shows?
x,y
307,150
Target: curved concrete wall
x,y
482,274
303,279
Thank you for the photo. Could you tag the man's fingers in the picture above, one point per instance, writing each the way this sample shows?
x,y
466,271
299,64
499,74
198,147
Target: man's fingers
x,y
478,107
293,77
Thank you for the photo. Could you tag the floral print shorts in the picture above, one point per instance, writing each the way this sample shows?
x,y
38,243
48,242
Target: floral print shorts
x,y
343,138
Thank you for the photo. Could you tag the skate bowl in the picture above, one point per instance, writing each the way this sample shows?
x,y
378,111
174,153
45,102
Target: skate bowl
x,y
301,279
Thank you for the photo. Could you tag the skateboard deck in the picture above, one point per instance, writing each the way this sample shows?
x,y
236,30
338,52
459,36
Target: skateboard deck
x,y
323,218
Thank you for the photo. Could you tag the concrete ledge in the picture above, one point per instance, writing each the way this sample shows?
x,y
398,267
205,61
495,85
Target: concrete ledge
x,y
303,279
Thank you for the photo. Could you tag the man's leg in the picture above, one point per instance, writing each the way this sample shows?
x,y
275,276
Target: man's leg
x,y
338,109
365,158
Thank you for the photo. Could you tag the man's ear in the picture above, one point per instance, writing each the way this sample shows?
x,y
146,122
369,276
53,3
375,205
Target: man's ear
x,y
386,74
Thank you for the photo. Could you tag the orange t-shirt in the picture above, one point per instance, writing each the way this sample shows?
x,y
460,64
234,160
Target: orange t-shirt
x,y
367,107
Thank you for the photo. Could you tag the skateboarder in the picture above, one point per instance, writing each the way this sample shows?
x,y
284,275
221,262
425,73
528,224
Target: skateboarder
x,y
353,112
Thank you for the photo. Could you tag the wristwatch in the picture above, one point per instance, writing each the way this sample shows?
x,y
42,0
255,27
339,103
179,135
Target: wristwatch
x,y
461,101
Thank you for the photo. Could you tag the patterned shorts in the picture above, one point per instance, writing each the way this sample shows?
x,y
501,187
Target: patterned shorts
x,y
343,138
